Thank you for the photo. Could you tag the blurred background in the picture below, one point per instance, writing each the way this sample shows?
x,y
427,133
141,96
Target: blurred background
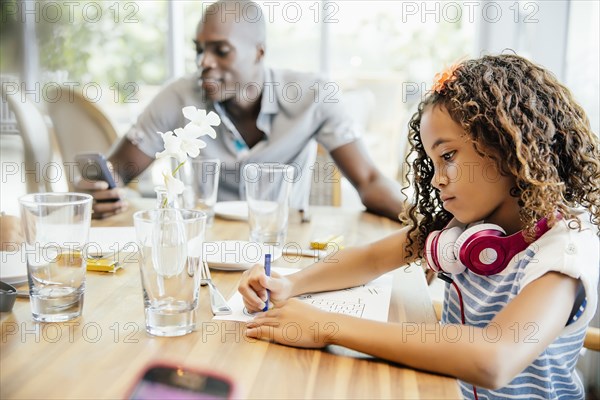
x,y
381,54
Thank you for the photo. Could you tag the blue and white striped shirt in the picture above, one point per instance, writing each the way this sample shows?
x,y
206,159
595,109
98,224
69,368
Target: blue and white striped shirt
x,y
551,375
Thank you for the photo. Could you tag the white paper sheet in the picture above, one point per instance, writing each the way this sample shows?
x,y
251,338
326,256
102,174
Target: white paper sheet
x,y
370,301
112,240
108,242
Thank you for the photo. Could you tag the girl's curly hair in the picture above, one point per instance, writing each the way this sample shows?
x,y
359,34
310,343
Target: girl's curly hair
x,y
518,114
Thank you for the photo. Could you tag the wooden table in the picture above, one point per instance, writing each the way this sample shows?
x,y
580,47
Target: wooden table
x,y
98,355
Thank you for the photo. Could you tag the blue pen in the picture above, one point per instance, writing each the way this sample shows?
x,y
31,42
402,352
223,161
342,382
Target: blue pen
x,y
268,273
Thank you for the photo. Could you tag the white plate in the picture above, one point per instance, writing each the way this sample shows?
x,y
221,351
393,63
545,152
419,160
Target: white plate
x,y
13,267
236,255
235,210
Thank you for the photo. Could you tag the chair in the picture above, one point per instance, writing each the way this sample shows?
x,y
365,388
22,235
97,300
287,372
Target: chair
x,y
592,339
38,164
326,185
79,125
326,188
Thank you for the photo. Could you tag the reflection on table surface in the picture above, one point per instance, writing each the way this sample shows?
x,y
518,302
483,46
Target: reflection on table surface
x,y
100,354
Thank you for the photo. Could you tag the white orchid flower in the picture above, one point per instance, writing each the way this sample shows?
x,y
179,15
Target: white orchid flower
x,y
198,118
173,147
173,185
185,142
189,140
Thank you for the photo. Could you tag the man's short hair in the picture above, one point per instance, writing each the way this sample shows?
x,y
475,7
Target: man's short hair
x,y
241,12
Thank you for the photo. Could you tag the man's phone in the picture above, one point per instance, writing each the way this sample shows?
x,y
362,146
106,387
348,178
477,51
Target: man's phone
x,y
163,381
94,167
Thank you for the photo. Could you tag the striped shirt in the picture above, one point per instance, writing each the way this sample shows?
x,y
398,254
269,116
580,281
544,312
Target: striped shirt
x,y
552,375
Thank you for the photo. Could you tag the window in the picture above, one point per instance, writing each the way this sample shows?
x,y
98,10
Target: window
x,y
392,49
382,54
583,55
112,52
293,33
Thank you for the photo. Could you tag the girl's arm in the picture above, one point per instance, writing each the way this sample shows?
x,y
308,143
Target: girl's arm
x,y
489,357
346,268
354,266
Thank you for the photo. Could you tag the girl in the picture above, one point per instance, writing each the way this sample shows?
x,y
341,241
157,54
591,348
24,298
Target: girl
x,y
498,140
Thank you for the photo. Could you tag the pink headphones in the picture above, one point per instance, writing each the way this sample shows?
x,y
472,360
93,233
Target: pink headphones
x,y
484,249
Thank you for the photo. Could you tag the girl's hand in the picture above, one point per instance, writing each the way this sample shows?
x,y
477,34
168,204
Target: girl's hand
x,y
294,323
254,284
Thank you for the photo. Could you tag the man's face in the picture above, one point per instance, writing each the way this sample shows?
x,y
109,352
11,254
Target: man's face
x,y
227,57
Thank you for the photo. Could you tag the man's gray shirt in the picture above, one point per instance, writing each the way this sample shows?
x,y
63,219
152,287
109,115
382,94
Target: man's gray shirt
x,y
296,109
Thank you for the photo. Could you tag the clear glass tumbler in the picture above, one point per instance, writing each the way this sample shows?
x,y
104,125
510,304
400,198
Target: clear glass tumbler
x,y
170,241
268,188
56,227
201,179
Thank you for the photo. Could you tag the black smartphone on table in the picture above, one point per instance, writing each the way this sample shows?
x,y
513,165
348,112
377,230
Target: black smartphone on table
x,y
164,381
94,167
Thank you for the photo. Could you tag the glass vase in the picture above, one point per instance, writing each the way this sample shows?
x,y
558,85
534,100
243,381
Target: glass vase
x,y
163,200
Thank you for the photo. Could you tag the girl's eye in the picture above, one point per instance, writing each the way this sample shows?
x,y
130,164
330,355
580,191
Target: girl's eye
x,y
448,156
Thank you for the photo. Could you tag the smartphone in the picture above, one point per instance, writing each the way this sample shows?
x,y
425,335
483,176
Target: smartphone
x,y
94,167
164,381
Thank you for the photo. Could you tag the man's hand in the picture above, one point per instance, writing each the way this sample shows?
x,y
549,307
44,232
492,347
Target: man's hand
x,y
107,201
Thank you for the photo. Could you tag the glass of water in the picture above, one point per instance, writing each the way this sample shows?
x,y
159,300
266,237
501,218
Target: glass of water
x,y
201,179
170,241
56,227
268,188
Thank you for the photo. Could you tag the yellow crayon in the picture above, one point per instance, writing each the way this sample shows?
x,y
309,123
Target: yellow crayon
x,y
322,243
103,264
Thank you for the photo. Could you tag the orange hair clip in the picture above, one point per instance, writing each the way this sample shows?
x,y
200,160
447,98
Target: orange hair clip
x,y
441,78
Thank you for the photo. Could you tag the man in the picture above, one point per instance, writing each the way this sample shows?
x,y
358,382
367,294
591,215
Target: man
x,y
267,116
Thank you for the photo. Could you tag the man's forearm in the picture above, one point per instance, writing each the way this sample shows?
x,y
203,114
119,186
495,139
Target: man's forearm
x,y
383,197
128,161
379,194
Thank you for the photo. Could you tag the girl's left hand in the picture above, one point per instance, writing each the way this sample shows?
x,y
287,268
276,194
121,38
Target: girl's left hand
x,y
294,323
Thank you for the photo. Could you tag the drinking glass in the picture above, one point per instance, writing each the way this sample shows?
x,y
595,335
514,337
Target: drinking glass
x,y
170,241
201,179
56,227
268,188
163,201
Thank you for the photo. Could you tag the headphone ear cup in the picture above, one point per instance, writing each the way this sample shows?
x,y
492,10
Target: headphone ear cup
x,y
465,239
447,251
431,252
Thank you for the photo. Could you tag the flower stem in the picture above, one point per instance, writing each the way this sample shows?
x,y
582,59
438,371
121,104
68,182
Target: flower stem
x,y
177,169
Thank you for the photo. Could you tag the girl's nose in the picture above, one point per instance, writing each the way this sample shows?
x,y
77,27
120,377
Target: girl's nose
x,y
440,178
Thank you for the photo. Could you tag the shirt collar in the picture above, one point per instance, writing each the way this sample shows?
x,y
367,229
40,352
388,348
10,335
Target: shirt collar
x,y
269,105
